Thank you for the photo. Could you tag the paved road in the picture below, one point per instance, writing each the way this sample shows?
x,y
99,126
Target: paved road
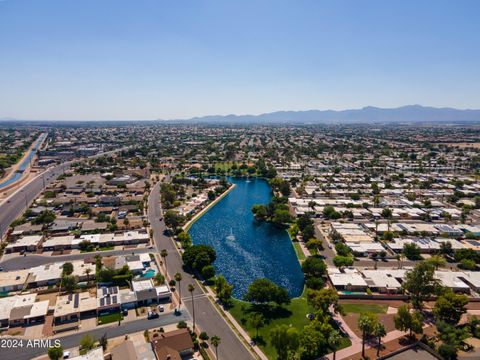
x,y
17,203
207,317
73,340
26,262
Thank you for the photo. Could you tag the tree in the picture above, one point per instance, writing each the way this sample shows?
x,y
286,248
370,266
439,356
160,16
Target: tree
x,y
67,268
436,261
197,256
314,266
215,341
208,272
450,307
421,284
405,320
281,217
55,353
308,232
366,324
284,339
323,299
69,283
191,289
204,336
411,251
159,279
164,254
87,272
340,261
446,248
313,339
223,289
314,244
178,278
185,239
342,249
87,342
334,341
379,331
262,291
452,338
257,320
103,341
173,219
260,212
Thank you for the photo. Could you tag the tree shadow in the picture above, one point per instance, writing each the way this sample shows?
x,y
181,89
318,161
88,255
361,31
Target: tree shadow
x,y
269,312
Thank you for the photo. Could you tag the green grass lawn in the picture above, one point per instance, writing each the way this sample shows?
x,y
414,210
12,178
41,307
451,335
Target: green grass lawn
x,y
298,250
293,315
109,318
363,308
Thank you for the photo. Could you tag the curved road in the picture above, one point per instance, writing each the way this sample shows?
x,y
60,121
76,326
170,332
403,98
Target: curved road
x,y
206,315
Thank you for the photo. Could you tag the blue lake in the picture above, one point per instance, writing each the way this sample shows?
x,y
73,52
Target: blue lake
x,y
248,249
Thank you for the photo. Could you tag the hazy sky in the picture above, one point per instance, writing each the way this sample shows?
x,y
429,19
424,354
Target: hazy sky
x,y
148,59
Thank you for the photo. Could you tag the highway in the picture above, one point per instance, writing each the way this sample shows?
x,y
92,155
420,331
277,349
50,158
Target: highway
x,y
17,203
73,340
207,317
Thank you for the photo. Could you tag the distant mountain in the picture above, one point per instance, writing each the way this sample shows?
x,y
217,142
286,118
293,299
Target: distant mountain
x,y
369,114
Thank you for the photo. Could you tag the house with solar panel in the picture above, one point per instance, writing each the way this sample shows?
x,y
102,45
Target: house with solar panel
x,y
108,300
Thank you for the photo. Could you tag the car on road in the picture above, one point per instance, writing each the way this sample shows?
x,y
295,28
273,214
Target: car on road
x,y
152,315
1,268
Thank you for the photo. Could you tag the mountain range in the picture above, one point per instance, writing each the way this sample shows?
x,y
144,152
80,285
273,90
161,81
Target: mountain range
x,y
369,114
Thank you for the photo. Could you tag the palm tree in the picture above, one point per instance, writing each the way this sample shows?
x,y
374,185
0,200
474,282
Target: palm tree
x,y
215,341
164,254
365,325
178,278
379,332
334,342
191,289
87,272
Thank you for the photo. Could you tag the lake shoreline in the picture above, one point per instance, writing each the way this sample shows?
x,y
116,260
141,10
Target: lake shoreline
x,y
202,212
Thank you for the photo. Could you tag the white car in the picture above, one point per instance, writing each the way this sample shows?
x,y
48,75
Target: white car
x,y
66,354
161,308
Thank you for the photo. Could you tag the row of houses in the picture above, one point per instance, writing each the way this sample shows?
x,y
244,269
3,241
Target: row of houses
x,y
69,309
33,243
50,274
389,281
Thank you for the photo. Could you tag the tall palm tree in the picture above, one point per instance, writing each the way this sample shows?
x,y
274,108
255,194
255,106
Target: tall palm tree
x,y
178,278
334,342
191,289
164,254
379,331
215,341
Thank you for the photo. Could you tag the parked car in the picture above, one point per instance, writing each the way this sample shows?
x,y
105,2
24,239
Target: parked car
x,y
161,308
66,354
125,312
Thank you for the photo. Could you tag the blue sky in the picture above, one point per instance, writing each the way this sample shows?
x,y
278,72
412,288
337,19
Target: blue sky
x,y
149,59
